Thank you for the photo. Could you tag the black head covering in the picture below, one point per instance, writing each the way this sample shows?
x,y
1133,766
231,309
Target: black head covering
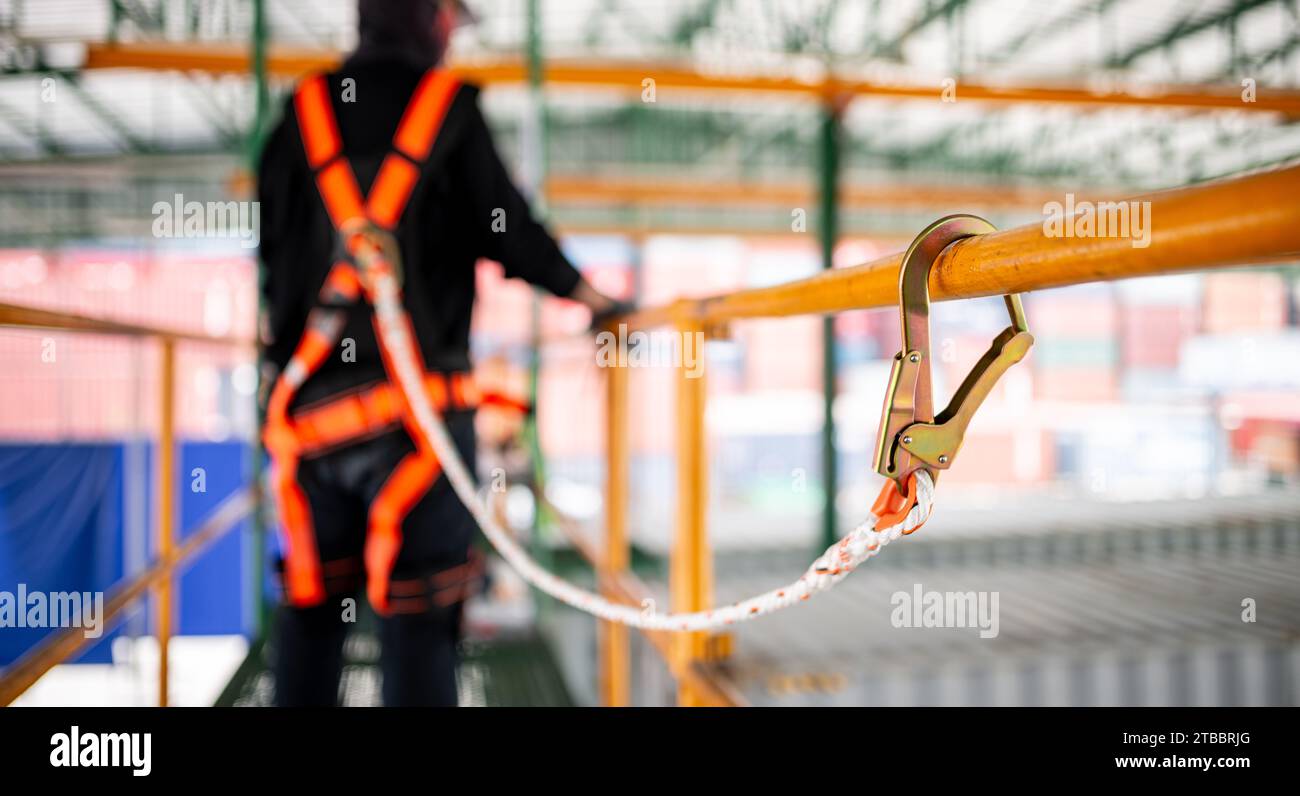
x,y
399,28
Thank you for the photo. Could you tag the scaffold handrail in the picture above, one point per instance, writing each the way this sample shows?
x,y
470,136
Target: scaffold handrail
x,y
63,644
22,316
1241,221
284,61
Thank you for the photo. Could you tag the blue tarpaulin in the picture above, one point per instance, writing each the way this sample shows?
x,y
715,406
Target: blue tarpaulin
x,y
64,509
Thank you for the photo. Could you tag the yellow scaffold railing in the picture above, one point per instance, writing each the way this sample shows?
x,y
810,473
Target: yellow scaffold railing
x,y
1248,220
159,577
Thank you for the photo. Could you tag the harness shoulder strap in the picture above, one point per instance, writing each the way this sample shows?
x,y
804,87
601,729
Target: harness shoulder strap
x,y
320,131
424,114
400,171
412,143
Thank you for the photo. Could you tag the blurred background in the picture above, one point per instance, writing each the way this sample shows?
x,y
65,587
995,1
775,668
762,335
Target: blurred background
x,y
1124,490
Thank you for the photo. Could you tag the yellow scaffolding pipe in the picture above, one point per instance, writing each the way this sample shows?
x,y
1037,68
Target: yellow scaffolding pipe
x,y
166,519
293,62
615,662
691,565
1241,221
703,191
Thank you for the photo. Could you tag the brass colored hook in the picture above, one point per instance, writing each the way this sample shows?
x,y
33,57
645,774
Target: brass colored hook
x,y
911,436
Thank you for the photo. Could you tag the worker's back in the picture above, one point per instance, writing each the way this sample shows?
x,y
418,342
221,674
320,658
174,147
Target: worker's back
x,y
388,147
463,208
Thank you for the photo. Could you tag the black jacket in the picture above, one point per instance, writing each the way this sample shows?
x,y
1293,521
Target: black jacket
x,y
447,226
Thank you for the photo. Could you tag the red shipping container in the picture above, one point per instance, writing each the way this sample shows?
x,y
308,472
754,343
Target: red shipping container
x,y
1243,302
1153,335
1076,384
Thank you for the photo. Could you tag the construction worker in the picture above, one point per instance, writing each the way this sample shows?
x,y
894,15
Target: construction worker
x,y
395,143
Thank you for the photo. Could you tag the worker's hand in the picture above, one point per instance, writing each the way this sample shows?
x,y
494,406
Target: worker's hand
x,y
603,308
605,318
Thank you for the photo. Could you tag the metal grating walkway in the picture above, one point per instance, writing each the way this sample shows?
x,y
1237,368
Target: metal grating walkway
x,y
507,671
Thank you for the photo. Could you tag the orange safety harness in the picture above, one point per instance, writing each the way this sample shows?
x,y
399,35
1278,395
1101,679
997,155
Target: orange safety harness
x,y
369,270
361,225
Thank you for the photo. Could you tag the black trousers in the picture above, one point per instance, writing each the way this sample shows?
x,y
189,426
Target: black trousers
x,y
419,635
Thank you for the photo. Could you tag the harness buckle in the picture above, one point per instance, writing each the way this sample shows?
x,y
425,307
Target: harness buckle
x,y
912,437
369,247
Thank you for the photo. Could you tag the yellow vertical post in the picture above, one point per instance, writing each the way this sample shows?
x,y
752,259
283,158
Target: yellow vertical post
x,y
614,656
166,484
691,568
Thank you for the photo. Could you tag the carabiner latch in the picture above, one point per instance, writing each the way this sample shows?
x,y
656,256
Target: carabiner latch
x,y
912,437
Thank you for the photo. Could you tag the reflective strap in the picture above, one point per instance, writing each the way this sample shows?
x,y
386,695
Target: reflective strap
x,y
338,187
398,175
414,138
500,401
342,285
319,129
441,589
369,411
393,185
324,147
302,576
409,481
302,572
424,114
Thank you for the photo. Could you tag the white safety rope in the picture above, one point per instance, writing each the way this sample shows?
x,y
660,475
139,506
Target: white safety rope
x,y
827,570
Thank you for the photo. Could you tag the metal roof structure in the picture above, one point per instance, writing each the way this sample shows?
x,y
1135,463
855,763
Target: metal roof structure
x,y
53,108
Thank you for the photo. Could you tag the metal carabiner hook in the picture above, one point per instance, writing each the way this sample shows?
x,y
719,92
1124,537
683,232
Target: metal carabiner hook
x,y
911,436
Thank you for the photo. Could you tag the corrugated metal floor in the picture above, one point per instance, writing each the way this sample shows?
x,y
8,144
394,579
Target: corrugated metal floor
x,y
1098,604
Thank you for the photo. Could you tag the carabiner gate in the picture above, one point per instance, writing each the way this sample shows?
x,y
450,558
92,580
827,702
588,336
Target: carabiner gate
x,y
912,437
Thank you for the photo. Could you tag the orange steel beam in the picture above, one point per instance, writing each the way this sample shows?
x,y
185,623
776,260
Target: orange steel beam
x,y
615,189
166,519
213,58
62,644
36,318
294,62
615,662
626,189
691,563
650,228
1240,221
